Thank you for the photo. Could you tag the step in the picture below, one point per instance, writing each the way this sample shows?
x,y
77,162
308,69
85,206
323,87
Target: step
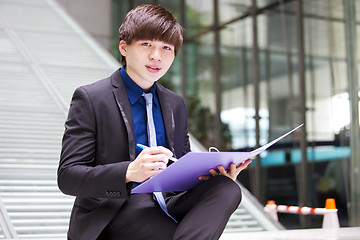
x,y
243,217
29,156
54,236
36,209
4,166
55,120
244,228
28,188
37,201
51,145
58,194
39,215
241,223
24,230
40,222
26,162
29,127
34,174
8,135
26,182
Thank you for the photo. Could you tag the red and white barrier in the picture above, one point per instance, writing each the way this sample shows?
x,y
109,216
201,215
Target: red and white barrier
x,y
330,212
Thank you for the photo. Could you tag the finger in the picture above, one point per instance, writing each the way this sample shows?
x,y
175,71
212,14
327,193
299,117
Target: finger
x,y
148,158
155,172
159,150
222,170
158,166
213,172
160,158
232,169
244,164
204,177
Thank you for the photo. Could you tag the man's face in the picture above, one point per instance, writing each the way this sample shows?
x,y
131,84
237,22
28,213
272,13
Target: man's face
x,y
147,60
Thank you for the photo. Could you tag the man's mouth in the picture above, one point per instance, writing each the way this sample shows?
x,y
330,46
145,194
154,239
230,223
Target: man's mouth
x,y
153,68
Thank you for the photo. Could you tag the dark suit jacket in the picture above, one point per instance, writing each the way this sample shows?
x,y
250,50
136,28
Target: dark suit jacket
x,y
98,145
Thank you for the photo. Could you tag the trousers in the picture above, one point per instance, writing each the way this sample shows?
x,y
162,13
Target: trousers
x,y
202,214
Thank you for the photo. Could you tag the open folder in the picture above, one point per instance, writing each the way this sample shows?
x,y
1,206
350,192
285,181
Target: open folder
x,y
184,174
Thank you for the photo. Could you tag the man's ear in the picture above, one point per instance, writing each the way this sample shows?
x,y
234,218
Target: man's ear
x,y
122,47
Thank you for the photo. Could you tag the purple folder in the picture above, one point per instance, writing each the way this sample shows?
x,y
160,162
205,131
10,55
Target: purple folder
x,y
184,174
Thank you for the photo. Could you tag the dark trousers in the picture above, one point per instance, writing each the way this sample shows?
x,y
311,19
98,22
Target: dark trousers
x,y
202,214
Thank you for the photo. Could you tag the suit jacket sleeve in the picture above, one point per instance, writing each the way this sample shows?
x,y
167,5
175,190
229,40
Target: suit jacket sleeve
x,y
80,173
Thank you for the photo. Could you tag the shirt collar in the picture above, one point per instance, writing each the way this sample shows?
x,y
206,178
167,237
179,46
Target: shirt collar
x,y
135,91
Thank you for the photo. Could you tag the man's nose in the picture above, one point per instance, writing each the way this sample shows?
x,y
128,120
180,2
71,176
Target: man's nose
x,y
155,54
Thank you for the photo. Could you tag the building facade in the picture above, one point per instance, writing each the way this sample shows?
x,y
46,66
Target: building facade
x,y
253,69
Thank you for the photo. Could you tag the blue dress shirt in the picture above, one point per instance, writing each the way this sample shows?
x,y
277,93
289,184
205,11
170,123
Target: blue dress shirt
x,y
138,110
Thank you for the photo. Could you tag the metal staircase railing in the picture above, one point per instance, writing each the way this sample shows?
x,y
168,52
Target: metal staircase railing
x,y
7,229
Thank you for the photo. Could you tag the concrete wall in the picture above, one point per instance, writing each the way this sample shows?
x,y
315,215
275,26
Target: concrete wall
x,y
94,16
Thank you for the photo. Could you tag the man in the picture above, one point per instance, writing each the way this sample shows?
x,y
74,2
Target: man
x,y
100,162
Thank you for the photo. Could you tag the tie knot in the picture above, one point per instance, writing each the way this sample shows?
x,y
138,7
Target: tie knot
x,y
148,98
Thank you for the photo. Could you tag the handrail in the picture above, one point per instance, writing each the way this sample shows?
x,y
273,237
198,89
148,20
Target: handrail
x,y
5,223
34,65
254,206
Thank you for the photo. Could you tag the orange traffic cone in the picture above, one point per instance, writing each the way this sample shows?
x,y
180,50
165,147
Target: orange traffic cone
x,y
271,209
331,220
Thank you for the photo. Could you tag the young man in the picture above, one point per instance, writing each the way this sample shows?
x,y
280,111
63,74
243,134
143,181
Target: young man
x,y
100,162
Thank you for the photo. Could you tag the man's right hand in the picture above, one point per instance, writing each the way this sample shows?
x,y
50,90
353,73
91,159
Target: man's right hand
x,y
149,162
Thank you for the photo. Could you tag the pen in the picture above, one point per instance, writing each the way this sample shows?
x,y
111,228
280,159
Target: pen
x,y
145,147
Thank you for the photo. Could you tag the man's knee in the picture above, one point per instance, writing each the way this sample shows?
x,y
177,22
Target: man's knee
x,y
226,189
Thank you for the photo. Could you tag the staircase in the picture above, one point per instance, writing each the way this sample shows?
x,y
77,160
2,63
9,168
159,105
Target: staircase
x,y
44,56
29,150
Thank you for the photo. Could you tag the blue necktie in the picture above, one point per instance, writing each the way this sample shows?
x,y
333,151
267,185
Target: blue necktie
x,y
152,143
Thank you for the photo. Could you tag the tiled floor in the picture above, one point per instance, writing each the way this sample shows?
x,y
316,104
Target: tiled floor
x,y
304,234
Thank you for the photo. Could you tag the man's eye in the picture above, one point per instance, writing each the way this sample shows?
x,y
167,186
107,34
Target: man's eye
x,y
167,48
145,44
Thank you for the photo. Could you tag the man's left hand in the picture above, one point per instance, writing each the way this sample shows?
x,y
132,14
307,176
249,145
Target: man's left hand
x,y
232,172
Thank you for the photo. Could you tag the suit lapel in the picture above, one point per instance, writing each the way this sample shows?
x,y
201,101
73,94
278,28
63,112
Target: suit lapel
x,y
168,116
123,103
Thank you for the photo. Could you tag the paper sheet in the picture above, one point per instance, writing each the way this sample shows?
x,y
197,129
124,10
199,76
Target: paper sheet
x,y
184,174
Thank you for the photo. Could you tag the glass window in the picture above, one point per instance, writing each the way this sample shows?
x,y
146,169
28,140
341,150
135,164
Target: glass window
x,y
237,94
135,3
357,14
199,16
201,93
264,3
327,93
326,77
231,9
172,79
